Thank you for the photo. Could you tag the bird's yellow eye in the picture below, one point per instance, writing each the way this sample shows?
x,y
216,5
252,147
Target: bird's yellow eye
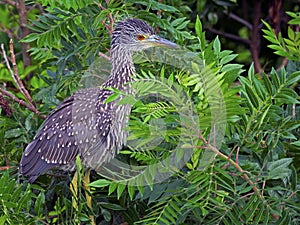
x,y
141,37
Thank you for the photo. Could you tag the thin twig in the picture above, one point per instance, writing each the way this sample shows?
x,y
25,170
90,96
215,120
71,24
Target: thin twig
x,y
104,56
230,154
158,13
237,155
2,168
109,27
9,32
112,21
21,102
228,35
6,60
15,74
10,2
237,166
263,187
241,20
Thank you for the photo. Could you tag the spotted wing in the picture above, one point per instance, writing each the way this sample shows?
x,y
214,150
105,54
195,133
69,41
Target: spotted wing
x,y
68,131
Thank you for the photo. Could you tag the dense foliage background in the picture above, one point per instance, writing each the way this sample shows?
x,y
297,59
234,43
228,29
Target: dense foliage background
x,y
250,48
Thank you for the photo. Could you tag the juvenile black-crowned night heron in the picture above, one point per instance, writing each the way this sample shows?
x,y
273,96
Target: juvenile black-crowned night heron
x,y
84,124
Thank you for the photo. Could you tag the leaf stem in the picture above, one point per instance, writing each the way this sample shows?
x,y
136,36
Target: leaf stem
x,y
233,163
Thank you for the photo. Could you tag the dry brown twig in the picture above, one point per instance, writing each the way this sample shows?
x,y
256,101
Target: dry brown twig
x,y
21,102
9,2
15,75
109,27
104,56
9,32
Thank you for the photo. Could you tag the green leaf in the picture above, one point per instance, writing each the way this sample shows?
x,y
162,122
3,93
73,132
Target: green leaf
x,y
282,98
30,38
112,187
177,21
259,216
165,221
130,100
297,143
251,72
198,27
294,21
41,25
268,84
168,215
217,45
252,96
172,212
3,219
227,59
100,183
183,25
112,97
39,203
160,6
254,208
271,37
279,169
293,78
111,206
282,53
200,34
275,78
131,190
120,190
13,133
276,47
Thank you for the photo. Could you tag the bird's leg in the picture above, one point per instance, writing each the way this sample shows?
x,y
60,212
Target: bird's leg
x,y
86,182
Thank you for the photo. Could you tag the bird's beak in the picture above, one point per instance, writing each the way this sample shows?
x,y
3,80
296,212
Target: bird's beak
x,y
155,40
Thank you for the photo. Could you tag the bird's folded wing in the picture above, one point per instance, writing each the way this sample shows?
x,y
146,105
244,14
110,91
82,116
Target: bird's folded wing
x,y
71,129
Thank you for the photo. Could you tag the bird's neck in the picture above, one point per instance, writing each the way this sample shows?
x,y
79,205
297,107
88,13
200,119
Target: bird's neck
x,y
122,68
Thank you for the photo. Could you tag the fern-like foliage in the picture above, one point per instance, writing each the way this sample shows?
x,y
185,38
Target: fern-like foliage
x,y
258,128
65,34
217,194
287,47
17,200
75,5
265,99
206,145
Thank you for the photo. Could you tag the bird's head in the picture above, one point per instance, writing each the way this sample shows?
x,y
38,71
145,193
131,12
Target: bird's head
x,y
135,35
